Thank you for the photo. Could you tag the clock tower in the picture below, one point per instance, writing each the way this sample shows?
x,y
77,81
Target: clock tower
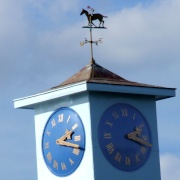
x,y
96,125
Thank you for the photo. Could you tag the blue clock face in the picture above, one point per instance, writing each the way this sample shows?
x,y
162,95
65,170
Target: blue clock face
x,y
63,142
124,137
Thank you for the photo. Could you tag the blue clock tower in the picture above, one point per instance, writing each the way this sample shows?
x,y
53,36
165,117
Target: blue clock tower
x,y
97,125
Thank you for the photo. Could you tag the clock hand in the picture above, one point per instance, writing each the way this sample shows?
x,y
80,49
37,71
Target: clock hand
x,y
67,135
61,140
136,132
64,143
133,136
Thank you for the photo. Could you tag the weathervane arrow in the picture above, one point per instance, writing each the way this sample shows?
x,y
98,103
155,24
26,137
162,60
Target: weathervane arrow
x,y
95,42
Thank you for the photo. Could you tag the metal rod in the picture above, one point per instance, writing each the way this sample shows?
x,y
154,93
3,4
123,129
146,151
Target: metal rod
x,y
91,42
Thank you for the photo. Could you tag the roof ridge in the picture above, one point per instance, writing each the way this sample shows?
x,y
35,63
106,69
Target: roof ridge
x,y
100,72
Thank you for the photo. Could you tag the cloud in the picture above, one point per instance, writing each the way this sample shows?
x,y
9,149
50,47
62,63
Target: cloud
x,y
140,34
62,6
170,167
52,13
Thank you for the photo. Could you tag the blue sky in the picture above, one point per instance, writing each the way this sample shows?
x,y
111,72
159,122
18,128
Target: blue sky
x,y
39,49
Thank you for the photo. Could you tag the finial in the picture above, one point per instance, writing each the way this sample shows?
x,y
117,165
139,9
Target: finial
x,y
91,17
92,61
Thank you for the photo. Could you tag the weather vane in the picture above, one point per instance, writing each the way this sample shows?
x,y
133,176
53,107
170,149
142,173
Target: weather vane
x,y
91,17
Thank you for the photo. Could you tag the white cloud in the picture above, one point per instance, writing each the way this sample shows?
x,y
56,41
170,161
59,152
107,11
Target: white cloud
x,y
142,34
56,10
170,167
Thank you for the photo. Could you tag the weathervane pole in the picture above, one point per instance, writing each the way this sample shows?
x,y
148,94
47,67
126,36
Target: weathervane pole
x,y
92,59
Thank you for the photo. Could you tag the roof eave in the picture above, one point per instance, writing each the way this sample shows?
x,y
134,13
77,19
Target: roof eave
x,y
30,102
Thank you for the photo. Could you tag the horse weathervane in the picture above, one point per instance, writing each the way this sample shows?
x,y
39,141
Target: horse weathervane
x,y
91,17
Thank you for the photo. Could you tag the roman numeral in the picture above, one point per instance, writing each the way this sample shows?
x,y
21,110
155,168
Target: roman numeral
x,y
124,112
141,126
107,135
128,161
76,151
143,150
71,161
61,116
118,157
115,115
75,126
49,156
137,158
63,166
77,138
68,118
48,133
47,145
55,164
53,122
110,148
109,124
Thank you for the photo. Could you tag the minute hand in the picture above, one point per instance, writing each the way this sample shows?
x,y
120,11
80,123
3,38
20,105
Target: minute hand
x,y
135,138
64,143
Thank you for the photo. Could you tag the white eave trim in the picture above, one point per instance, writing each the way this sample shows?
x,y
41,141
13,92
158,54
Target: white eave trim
x,y
49,95
30,101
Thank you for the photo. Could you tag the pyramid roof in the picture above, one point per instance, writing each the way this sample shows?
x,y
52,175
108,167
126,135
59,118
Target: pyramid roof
x,y
94,73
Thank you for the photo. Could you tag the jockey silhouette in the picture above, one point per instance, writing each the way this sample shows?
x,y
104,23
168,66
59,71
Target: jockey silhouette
x,y
91,9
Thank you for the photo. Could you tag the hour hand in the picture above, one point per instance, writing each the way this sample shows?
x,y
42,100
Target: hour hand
x,y
67,135
134,133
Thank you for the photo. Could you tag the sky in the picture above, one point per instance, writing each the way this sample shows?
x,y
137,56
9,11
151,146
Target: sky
x,y
40,48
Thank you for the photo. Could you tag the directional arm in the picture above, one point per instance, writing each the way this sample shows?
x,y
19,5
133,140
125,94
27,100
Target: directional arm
x,y
95,42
